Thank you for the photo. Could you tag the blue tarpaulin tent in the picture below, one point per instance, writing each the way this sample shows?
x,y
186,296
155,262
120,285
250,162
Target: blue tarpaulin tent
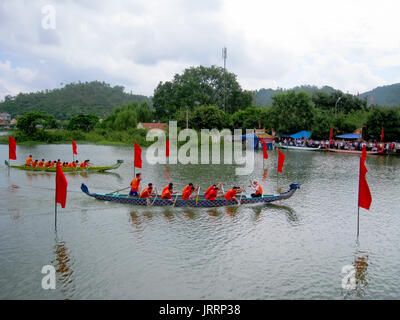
x,y
349,136
300,135
249,137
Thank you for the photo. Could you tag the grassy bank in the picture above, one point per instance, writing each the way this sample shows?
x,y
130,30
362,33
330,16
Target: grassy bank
x,y
97,136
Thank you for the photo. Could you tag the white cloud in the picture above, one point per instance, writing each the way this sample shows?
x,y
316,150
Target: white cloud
x,y
344,44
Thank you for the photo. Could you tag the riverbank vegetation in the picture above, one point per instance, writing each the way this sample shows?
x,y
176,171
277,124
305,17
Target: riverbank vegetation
x,y
207,98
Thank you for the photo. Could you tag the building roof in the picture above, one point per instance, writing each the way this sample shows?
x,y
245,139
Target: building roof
x,y
152,125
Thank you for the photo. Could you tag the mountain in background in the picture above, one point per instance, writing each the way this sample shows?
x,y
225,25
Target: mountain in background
x,y
73,99
100,98
385,96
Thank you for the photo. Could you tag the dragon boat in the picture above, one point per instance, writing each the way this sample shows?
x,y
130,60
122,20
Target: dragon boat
x,y
289,147
199,202
66,169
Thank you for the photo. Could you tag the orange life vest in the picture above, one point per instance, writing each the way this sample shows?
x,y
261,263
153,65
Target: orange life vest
x,y
135,184
145,193
28,161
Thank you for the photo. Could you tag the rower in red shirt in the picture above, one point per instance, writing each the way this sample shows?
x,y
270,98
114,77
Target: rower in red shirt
x,y
147,192
48,164
213,194
187,187
35,163
231,194
41,163
188,192
167,191
209,189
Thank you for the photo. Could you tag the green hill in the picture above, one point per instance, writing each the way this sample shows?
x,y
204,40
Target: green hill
x,y
73,99
263,97
385,95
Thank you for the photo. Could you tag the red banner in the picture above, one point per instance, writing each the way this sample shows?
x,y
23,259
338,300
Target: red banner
x,y
265,153
12,148
74,147
382,134
281,160
167,148
138,156
331,134
61,186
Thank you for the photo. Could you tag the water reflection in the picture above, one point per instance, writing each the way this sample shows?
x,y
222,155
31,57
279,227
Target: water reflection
x,y
360,274
188,213
135,220
63,265
231,211
265,175
291,215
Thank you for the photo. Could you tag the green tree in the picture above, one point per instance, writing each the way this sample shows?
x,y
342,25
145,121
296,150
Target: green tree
x,y
386,117
250,118
200,86
204,117
33,121
291,112
84,122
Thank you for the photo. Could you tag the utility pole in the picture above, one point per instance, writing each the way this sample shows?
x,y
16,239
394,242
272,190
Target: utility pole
x,y
224,57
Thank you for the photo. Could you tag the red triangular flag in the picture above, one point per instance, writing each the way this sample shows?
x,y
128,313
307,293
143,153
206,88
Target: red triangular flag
x,y
281,159
12,147
331,134
364,194
382,134
167,148
74,147
61,186
364,154
265,153
138,156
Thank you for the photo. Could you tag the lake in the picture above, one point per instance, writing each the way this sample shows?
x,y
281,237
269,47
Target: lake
x,y
293,250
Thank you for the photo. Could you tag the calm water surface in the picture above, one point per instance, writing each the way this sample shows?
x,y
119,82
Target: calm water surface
x,y
293,250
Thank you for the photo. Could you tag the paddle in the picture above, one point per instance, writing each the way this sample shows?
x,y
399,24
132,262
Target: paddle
x,y
119,190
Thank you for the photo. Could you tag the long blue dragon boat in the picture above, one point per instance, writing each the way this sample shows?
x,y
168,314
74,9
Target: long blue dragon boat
x,y
198,202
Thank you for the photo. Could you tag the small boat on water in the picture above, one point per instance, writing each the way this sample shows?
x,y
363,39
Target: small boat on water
x,y
66,169
201,202
285,146
358,152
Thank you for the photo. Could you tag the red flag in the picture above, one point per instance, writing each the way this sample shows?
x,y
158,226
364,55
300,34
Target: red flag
x,y
61,186
265,153
364,194
382,134
138,156
167,148
74,147
12,147
281,159
372,99
364,154
331,134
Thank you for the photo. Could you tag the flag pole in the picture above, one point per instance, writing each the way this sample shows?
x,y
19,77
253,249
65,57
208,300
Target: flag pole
x,y
55,207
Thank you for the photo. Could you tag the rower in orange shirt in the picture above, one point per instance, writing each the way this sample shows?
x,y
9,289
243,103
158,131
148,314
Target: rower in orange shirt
x,y
167,191
187,195
48,164
213,194
231,194
147,192
187,187
35,163
65,164
135,185
84,164
28,161
41,163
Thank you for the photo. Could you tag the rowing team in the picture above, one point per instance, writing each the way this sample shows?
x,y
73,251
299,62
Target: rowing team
x,y
189,192
74,164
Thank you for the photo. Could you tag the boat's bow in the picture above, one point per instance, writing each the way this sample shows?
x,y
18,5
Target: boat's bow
x,y
290,192
85,189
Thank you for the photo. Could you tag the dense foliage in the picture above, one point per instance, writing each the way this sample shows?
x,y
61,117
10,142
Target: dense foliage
x,y
73,99
200,86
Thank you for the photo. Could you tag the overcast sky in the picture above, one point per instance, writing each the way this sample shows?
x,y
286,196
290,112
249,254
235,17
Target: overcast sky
x,y
350,45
